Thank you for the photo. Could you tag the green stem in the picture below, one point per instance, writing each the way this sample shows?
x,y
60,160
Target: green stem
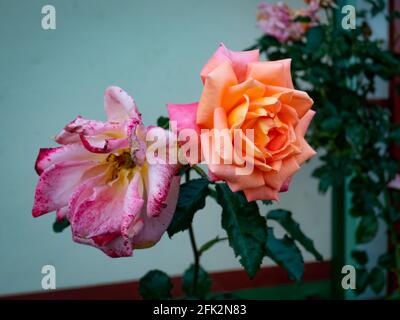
x,y
200,171
210,244
213,193
196,254
196,260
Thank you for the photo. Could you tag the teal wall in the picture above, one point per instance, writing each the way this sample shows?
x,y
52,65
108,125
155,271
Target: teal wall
x,y
152,49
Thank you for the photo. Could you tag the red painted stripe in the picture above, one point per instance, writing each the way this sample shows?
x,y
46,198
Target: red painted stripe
x,y
381,102
394,44
222,281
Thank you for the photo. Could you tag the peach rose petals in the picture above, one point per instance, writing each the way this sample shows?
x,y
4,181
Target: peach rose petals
x,y
257,110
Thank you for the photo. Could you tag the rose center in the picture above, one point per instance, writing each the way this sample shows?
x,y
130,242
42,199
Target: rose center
x,y
120,161
277,139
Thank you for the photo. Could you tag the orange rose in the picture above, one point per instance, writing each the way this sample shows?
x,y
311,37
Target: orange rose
x,y
241,95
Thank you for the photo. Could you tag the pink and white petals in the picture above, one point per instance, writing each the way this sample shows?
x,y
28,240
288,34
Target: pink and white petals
x,y
107,214
102,144
101,181
57,184
86,189
158,186
154,227
119,106
161,168
71,152
80,126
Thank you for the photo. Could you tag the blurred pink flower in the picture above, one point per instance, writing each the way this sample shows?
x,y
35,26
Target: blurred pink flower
x,y
100,180
284,23
311,13
274,20
395,183
322,3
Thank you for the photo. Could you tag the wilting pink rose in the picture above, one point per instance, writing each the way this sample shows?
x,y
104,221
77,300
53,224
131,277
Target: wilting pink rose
x,y
243,95
100,180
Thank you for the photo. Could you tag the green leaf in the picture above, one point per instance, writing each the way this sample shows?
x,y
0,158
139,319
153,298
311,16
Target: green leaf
x,y
386,260
331,124
155,285
60,225
360,256
361,280
204,283
245,227
394,214
314,37
267,42
284,218
357,135
377,6
303,19
210,244
192,197
366,229
163,122
327,177
376,279
267,202
393,16
394,135
285,253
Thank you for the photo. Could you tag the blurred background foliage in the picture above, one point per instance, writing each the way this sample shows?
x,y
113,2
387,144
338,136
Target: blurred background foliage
x,y
353,134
